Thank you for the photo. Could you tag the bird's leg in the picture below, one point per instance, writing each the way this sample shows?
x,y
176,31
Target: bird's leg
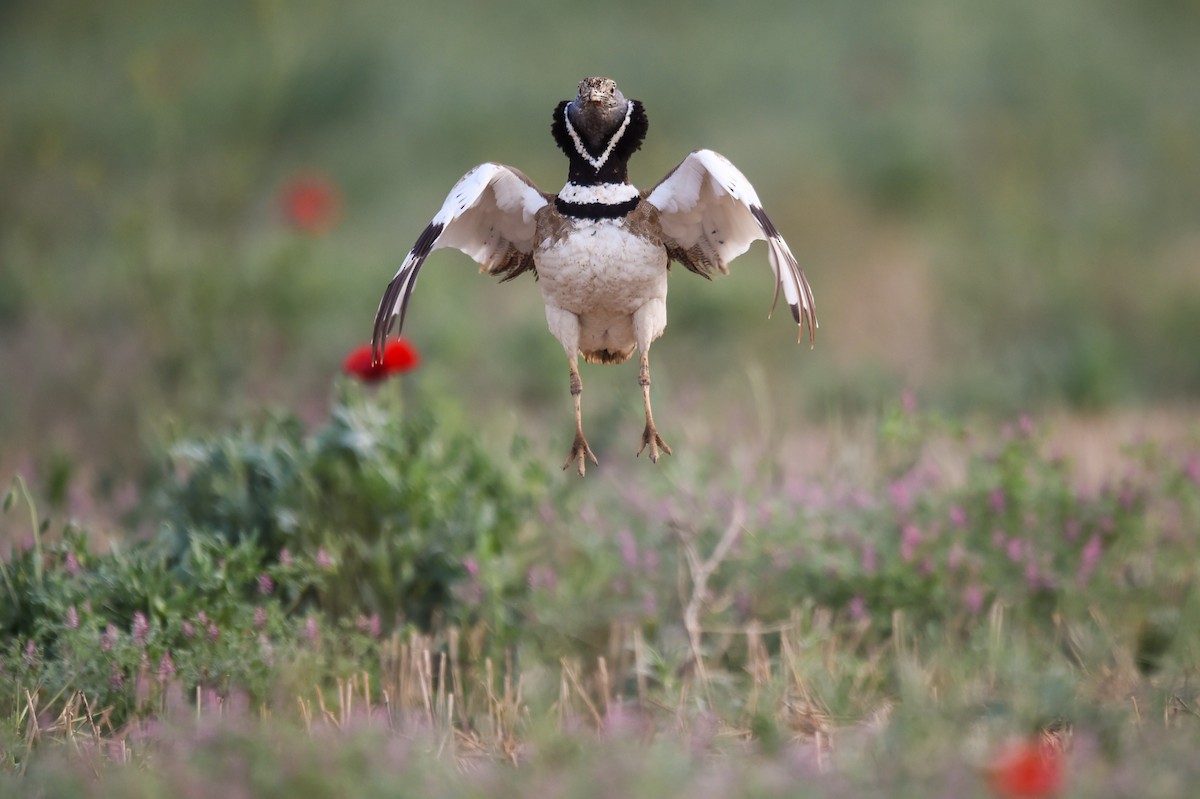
x,y
580,451
650,436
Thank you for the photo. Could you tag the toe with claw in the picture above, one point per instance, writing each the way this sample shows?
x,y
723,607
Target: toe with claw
x,y
651,438
580,453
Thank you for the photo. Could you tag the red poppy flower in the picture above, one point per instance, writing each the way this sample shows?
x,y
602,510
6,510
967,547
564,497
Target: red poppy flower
x,y
310,203
1026,770
398,356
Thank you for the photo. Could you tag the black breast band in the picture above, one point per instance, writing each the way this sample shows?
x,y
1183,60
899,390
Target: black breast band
x,y
597,210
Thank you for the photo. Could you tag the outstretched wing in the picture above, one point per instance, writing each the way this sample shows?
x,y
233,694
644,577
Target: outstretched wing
x,y
489,215
711,215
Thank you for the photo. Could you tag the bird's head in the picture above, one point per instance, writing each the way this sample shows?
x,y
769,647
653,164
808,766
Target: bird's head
x,y
598,109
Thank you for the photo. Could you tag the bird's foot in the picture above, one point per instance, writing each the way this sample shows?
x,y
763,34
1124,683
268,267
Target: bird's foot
x,y
651,438
580,453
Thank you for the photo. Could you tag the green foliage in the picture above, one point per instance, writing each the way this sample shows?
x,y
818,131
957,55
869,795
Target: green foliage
x,y
276,547
119,626
954,580
394,498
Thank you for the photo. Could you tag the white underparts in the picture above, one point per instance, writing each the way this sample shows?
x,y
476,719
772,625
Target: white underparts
x,y
583,153
602,193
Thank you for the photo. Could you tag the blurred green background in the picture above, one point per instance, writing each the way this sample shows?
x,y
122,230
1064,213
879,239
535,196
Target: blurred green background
x,y
997,204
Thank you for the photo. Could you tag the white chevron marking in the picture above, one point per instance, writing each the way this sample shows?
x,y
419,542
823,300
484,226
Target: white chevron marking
x,y
579,148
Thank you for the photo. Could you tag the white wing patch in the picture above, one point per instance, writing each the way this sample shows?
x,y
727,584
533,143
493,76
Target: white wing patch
x,y
489,215
709,208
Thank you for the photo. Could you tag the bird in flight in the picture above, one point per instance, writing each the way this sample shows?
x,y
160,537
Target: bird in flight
x,y
600,248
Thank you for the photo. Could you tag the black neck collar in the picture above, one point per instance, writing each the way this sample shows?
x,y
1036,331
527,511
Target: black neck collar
x,y
597,210
613,169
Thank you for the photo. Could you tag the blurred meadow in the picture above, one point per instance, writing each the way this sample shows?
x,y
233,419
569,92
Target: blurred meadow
x,y
997,205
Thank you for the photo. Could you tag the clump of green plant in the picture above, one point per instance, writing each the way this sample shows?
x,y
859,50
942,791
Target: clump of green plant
x,y
121,626
274,546
404,502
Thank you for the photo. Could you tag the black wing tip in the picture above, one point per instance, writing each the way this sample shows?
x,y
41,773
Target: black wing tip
x,y
383,327
401,285
804,318
426,240
804,312
764,221
802,315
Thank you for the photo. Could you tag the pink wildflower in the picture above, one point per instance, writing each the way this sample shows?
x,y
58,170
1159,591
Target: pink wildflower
x,y
1089,559
1127,496
141,628
541,577
1071,529
973,599
869,559
108,638
956,555
649,604
901,493
650,561
629,550
858,609
1025,425
1033,577
369,625
910,539
1192,468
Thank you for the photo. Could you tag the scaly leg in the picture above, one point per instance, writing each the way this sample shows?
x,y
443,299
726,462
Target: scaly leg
x,y
580,451
565,327
650,436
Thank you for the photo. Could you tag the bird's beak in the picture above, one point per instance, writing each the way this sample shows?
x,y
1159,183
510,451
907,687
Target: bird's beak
x,y
595,96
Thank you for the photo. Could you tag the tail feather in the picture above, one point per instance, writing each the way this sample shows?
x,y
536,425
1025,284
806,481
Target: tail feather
x,y
607,356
